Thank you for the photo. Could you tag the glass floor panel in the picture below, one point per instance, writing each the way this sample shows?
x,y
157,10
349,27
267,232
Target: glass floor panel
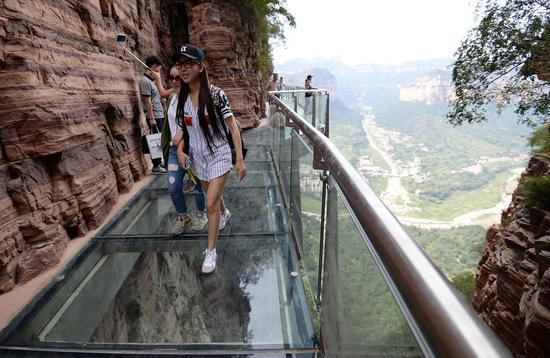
x,y
137,286
151,292
253,210
258,174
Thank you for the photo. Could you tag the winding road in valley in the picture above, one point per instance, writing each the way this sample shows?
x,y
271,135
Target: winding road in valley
x,y
396,196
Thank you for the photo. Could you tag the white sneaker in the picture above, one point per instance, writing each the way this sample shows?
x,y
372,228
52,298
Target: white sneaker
x,y
158,170
224,218
198,221
209,263
181,222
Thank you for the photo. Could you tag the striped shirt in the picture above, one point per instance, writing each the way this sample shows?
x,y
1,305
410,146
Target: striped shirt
x,y
207,165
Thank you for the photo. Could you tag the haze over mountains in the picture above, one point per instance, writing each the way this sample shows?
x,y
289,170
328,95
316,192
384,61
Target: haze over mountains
x,y
334,75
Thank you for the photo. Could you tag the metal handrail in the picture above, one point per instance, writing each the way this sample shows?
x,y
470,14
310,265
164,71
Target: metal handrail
x,y
447,324
321,90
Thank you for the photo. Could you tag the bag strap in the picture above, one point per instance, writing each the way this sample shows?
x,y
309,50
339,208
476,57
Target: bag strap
x,y
215,94
155,127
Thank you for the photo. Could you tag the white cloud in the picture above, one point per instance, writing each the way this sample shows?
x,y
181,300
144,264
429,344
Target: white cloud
x,y
376,31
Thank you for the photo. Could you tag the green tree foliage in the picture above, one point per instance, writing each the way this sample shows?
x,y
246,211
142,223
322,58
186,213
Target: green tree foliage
x,y
453,250
539,140
270,17
498,60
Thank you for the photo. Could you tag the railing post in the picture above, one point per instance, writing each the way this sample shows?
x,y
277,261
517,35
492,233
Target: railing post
x,y
330,320
314,109
327,117
324,178
295,199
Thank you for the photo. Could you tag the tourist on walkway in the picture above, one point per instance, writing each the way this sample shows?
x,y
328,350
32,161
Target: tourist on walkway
x,y
280,85
204,114
308,85
272,84
152,104
172,134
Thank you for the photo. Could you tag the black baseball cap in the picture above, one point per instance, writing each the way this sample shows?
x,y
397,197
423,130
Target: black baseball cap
x,y
192,52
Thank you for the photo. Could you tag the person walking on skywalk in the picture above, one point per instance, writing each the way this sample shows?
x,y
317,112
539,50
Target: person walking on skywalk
x,y
207,121
172,135
152,105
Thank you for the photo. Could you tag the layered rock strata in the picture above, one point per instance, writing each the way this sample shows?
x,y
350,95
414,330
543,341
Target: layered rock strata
x,y
232,48
513,276
70,109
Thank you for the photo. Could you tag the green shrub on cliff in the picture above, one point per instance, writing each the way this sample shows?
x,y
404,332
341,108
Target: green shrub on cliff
x,y
539,140
465,283
536,191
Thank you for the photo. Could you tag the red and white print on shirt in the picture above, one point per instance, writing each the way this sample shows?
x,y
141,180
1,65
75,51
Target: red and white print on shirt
x,y
187,119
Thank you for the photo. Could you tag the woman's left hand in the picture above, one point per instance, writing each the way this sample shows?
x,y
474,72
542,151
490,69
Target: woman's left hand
x,y
241,169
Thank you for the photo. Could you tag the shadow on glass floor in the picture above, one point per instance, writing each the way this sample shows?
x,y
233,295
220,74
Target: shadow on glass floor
x,y
151,292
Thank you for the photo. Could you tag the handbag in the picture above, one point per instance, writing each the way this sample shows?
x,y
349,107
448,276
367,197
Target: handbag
x,y
153,142
150,144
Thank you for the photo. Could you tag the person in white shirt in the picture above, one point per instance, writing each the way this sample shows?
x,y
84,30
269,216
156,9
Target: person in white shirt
x,y
173,133
204,134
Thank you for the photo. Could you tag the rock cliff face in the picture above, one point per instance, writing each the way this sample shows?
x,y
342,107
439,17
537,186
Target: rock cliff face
x,y
70,110
429,89
165,299
513,276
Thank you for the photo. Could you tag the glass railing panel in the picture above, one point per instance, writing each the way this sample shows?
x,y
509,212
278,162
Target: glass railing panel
x,y
320,110
301,101
288,99
360,317
277,123
149,294
285,157
305,207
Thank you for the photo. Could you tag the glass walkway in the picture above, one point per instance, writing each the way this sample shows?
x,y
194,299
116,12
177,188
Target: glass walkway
x,y
311,264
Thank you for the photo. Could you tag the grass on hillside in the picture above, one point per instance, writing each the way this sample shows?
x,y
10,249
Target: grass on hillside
x,y
377,184
459,203
376,158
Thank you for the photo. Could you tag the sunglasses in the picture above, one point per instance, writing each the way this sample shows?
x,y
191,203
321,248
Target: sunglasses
x,y
174,78
185,64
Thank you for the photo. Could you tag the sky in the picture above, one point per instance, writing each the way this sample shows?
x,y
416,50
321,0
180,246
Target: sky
x,y
376,31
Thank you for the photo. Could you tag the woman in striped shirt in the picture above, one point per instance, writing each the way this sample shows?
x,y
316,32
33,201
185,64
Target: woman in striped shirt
x,y
204,137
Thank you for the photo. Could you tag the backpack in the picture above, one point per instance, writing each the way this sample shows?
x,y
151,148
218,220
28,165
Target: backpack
x,y
215,94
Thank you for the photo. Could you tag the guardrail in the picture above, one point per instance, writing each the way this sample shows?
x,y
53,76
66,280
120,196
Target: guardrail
x,y
442,322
